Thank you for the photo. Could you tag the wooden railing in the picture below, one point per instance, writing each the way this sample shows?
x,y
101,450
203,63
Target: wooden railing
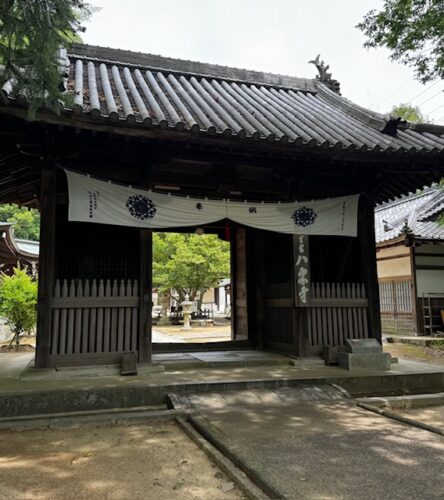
x,y
94,316
337,311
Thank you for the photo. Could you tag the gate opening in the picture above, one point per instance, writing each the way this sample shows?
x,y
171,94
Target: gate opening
x,y
191,296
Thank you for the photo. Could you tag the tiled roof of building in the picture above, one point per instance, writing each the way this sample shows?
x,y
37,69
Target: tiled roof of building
x,y
419,212
142,90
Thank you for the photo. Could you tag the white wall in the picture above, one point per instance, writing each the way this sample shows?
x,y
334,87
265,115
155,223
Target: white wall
x,y
429,281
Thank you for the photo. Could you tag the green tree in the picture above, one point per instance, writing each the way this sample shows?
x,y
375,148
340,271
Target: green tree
x,y
408,112
189,263
413,31
18,299
31,35
26,221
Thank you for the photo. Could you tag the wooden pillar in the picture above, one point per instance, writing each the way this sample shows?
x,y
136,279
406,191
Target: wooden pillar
x,y
46,266
368,253
260,283
239,308
416,320
145,295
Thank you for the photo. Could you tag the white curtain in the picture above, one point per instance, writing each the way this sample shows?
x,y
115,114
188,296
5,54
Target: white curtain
x,y
93,200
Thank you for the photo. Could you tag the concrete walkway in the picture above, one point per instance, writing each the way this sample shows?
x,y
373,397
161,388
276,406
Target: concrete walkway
x,y
161,338
12,364
331,450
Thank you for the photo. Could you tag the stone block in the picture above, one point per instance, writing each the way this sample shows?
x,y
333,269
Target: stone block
x,y
129,363
330,355
362,345
370,361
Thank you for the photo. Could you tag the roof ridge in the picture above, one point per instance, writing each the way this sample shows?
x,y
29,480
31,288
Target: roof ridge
x,y
184,66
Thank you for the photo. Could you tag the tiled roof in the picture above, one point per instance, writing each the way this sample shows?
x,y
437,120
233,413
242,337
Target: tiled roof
x,y
31,247
143,91
419,211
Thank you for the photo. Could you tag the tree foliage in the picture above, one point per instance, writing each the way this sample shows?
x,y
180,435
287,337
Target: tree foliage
x,y
31,35
408,112
189,263
413,31
26,221
18,299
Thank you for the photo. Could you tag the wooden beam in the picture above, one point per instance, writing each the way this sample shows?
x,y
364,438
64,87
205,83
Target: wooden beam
x,y
46,266
145,300
368,254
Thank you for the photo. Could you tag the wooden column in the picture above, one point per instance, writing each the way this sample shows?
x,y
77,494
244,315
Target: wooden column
x,y
46,266
239,309
368,253
416,321
260,283
145,295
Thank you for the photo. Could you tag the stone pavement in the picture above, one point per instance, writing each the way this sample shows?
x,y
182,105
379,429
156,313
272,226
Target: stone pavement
x,y
96,388
161,338
331,450
12,364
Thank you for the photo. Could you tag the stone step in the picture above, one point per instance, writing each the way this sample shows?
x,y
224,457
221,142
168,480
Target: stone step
x,y
254,397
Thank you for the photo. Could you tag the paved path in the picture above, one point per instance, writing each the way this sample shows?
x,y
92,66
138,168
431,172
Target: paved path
x,y
162,338
331,450
12,364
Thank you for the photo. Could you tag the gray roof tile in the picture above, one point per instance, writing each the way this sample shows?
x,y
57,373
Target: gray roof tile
x,y
142,90
419,211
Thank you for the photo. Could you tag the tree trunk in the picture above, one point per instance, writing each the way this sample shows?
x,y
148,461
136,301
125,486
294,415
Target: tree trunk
x,y
200,300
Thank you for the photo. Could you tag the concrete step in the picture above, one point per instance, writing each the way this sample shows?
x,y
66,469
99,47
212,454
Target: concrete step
x,y
42,398
255,397
406,402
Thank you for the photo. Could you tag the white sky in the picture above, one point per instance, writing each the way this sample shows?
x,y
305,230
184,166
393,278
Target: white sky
x,y
278,36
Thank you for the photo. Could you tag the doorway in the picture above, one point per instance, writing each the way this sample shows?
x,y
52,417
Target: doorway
x,y
192,289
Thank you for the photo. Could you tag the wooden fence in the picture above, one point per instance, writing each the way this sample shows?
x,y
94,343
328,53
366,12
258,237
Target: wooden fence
x,y
94,317
337,311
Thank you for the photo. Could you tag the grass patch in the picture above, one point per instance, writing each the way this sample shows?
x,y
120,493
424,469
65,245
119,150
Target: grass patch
x,y
432,354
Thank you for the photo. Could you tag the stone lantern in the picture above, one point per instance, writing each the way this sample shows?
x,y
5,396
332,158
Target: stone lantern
x,y
187,306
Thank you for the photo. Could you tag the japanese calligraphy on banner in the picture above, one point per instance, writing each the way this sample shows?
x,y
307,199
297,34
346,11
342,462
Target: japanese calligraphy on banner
x,y
94,200
302,270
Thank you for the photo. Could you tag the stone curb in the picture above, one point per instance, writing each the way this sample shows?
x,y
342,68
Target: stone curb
x,y
236,474
211,436
407,401
400,418
116,417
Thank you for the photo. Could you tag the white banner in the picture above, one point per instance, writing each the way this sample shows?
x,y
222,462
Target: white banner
x,y
93,200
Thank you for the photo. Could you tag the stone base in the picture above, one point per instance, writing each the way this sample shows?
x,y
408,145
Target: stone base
x,y
374,361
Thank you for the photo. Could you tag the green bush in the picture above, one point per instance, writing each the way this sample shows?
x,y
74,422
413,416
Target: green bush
x,y
18,299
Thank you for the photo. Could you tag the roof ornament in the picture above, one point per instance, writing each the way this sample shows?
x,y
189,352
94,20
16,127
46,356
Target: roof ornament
x,y
387,226
408,234
391,125
324,75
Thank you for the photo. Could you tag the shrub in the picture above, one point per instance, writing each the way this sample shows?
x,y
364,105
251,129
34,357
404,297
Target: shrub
x,y
18,299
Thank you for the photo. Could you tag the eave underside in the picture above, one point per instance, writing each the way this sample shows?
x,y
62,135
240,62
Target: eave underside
x,y
201,166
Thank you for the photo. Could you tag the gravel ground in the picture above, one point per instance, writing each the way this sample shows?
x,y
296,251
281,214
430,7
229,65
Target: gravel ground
x,y
433,415
154,461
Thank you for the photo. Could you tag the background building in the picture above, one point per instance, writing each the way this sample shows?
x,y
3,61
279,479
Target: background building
x,y
410,260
